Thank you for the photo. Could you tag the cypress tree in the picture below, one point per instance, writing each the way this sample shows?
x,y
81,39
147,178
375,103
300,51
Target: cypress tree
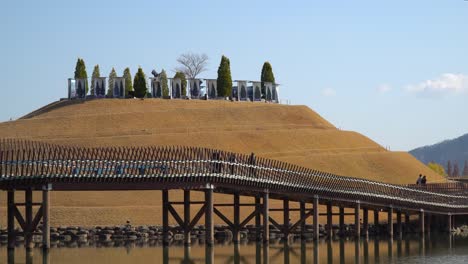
x,y
164,86
449,169
267,76
80,71
139,84
455,172
128,81
96,73
465,168
224,80
110,87
181,76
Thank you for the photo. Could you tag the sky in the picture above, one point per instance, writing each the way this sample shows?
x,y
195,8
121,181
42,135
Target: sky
x,y
395,71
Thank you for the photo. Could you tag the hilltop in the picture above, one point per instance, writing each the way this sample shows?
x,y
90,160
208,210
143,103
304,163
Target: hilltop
x,y
294,134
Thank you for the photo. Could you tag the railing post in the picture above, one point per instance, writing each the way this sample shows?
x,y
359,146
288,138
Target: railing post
x,y
329,219
316,218
187,239
376,218
11,219
341,220
45,216
266,220
428,223
357,224
390,222
236,230
165,217
407,222
28,232
209,224
365,222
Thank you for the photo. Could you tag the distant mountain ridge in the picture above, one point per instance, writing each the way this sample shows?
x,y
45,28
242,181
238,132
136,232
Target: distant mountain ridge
x,y
453,150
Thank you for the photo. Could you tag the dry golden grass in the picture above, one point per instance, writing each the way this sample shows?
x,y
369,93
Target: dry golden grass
x,y
294,134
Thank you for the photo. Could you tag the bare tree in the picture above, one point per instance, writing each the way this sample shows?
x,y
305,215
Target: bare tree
x,y
192,64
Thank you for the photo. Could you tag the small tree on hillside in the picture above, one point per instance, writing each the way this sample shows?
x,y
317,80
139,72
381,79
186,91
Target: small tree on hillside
x,y
128,81
80,72
224,80
164,85
267,76
192,64
465,168
449,169
139,84
110,87
181,76
456,171
96,73
439,169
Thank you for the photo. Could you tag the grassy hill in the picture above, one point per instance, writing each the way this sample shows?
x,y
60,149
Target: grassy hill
x,y
295,134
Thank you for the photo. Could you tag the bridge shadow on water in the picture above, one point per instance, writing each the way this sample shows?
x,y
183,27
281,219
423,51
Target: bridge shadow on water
x,y
374,250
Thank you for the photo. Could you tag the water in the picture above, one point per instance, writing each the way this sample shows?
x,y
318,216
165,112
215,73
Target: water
x,y
436,249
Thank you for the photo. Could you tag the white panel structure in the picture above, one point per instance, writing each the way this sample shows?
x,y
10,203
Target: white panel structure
x,y
211,88
99,84
118,91
176,88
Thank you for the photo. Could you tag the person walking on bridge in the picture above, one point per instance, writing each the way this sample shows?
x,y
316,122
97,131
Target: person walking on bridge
x,y
418,182
423,180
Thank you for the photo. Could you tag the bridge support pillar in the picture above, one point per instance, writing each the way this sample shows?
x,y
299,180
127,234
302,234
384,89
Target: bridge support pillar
x,y
390,222
399,225
316,218
376,218
407,222
285,219
365,222
165,217
28,232
11,219
258,213
449,223
357,224
341,220
187,239
421,222
209,223
266,219
329,219
236,228
302,216
45,217
428,224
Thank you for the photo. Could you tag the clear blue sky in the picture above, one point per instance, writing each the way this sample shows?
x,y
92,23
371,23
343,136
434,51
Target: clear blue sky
x,y
396,71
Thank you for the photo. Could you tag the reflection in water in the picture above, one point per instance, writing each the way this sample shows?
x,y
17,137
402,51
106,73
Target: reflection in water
x,y
334,251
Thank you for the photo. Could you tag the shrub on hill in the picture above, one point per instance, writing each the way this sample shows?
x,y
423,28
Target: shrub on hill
x,y
80,72
110,86
224,80
164,86
139,84
439,169
96,74
128,82
183,79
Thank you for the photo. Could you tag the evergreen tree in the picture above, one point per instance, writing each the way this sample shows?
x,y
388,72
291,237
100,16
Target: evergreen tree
x,y
267,76
224,80
139,84
128,81
110,88
80,71
449,169
181,76
164,85
96,73
455,172
465,168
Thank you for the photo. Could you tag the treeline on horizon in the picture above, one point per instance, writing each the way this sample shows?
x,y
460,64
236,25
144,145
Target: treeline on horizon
x,y
190,66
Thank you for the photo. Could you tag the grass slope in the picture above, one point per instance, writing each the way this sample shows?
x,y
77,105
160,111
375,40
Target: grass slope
x,y
295,134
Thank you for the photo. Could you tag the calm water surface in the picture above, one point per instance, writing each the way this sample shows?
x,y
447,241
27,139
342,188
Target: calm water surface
x,y
436,249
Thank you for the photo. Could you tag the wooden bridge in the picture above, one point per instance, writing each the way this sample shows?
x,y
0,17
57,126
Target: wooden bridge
x,y
36,166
